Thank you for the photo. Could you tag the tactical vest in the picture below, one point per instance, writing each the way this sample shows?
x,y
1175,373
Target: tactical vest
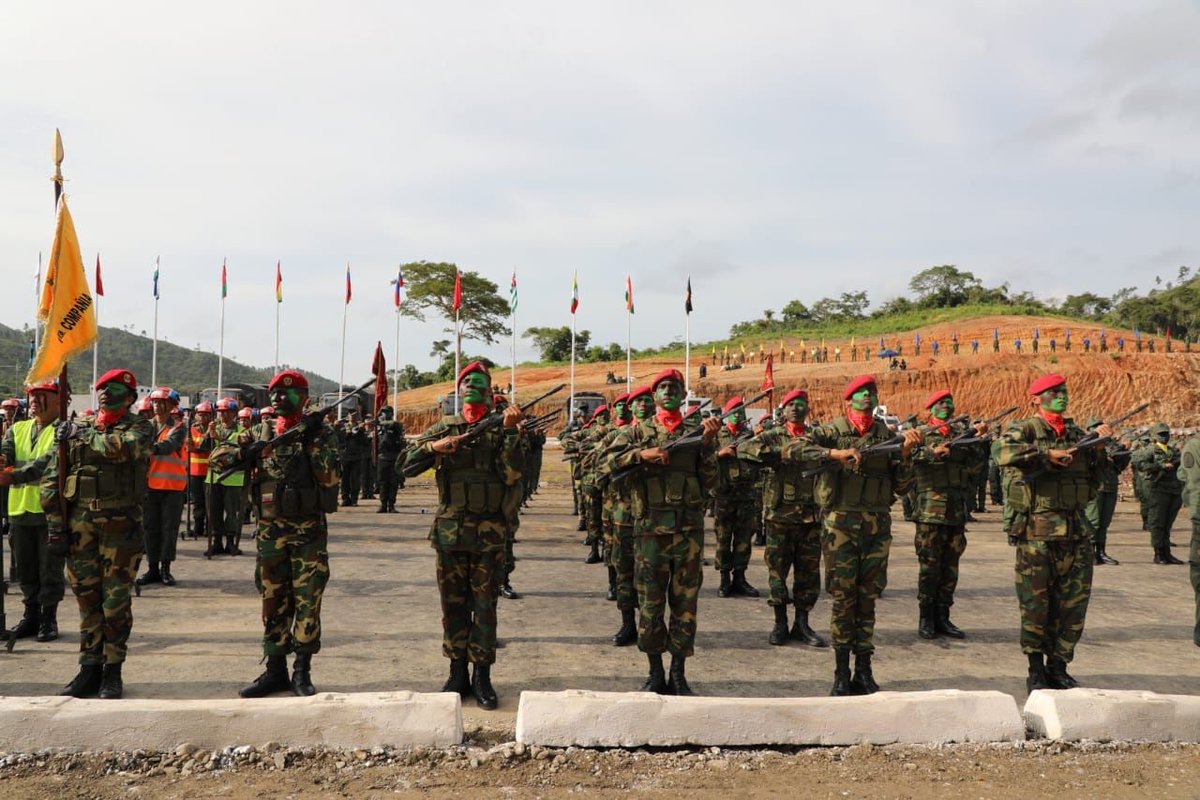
x,y
24,499
237,478
1060,489
296,496
197,458
865,487
96,484
947,474
673,487
735,473
167,472
469,482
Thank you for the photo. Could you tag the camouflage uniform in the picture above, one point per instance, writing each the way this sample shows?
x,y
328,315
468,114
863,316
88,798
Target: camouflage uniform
x,y
1190,470
569,440
105,484
591,498
356,450
734,508
1099,513
391,446
1158,464
226,496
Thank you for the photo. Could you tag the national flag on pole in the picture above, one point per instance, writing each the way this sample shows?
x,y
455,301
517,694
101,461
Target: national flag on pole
x,y
769,373
349,291
379,370
66,304
629,293
224,281
687,300
512,294
457,290
99,280
278,282
398,283
575,291
156,277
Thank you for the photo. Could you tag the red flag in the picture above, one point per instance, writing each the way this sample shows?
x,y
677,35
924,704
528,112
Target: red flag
x,y
379,370
457,290
769,372
99,282
348,283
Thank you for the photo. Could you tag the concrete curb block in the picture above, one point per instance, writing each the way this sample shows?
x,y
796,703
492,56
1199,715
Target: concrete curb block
x,y
634,719
1111,715
375,719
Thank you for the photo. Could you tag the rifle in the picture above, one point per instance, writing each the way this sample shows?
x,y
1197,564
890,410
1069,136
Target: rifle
x,y
750,433
426,460
1093,439
968,436
541,421
891,445
689,437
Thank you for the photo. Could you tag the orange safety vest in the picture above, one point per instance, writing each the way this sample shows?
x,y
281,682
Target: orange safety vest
x,y
198,462
167,472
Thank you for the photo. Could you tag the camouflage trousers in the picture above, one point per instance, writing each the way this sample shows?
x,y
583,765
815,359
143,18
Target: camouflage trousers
x,y
856,546
793,547
1054,584
1194,575
1161,510
939,548
1099,515
467,586
733,519
291,572
593,513
620,558
668,571
509,562
101,568
39,571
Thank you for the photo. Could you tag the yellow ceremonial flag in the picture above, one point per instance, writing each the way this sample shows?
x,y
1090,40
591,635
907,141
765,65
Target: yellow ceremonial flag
x,y
66,306
743,346
781,348
852,341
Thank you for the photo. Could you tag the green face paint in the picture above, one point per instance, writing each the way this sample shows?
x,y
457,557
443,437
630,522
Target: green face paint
x,y
643,406
287,401
669,395
736,417
624,412
1055,399
865,399
944,408
474,388
796,411
114,395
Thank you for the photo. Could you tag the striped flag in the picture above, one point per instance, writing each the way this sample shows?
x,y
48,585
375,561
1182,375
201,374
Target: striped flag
x,y
512,294
224,281
99,281
575,291
687,300
349,291
398,283
457,290
628,293
278,282
156,277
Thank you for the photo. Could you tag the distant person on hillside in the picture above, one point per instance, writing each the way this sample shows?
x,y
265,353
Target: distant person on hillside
x,y
1087,344
1120,344
1151,345
1052,345
1035,345
1017,345
974,347
934,345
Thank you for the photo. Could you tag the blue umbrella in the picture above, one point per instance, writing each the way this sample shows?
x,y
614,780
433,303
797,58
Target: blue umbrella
x,y
888,353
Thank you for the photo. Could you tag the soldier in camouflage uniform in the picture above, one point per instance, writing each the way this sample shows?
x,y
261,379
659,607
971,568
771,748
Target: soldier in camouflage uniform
x,y
622,415
1189,471
512,511
945,479
1100,511
474,485
571,438
298,482
391,445
355,451
618,545
102,535
1054,559
793,523
1158,464
667,491
733,513
856,494
589,490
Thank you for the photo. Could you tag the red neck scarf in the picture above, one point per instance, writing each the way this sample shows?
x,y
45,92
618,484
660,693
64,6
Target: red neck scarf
x,y
861,420
622,422
669,419
1054,420
734,427
105,417
283,422
473,412
940,425
795,428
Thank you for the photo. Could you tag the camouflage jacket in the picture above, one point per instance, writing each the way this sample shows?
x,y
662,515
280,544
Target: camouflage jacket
x,y
590,443
943,484
1159,466
787,494
870,486
1189,471
391,440
735,474
616,493
297,483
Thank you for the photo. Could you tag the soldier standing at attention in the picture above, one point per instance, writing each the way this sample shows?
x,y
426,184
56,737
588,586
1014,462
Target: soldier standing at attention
x,y
593,501
857,494
102,535
1190,471
1054,561
226,495
369,465
167,481
298,483
1100,511
198,449
734,500
632,409
793,523
355,443
469,525
1158,463
668,494
391,445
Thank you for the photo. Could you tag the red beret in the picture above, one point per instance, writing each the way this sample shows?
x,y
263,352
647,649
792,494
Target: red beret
x,y
1046,382
856,384
289,379
474,366
734,402
123,376
792,395
936,396
621,398
639,391
600,409
668,374
44,386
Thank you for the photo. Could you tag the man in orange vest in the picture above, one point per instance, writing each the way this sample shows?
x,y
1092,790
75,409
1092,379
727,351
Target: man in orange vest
x,y
167,478
198,467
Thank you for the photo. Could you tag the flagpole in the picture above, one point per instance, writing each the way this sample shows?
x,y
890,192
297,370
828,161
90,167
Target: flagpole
x,y
342,368
512,383
221,349
396,367
277,305
96,353
457,360
154,351
571,399
628,349
37,297
687,355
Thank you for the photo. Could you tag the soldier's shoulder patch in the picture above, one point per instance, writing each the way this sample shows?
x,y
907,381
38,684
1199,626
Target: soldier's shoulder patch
x,y
1189,460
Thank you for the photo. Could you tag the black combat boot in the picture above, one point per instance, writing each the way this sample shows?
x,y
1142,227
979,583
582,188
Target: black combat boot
x,y
726,587
863,681
594,556
1037,674
274,679
945,626
627,634
459,681
48,624
582,526
657,680
28,626
925,625
1057,675
1158,556
760,539
165,570
508,592
481,687
1167,558
803,632
611,595
779,634
302,675
1104,558
151,575
111,686
383,507
86,683
677,684
741,586
841,674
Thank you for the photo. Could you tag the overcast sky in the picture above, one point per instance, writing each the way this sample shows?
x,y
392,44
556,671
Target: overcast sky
x,y
771,150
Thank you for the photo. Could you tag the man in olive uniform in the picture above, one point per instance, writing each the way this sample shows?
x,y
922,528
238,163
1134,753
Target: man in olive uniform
x,y
101,535
1190,472
632,409
226,496
945,479
1054,559
668,492
352,463
1158,463
622,415
1100,511
857,492
591,497
391,445
733,513
298,481
469,526
369,458
27,449
793,525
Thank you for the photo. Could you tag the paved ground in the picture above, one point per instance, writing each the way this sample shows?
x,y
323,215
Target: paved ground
x,y
382,631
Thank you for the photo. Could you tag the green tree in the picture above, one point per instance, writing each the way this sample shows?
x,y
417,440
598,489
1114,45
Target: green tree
x,y
554,344
1087,304
943,286
795,313
431,288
